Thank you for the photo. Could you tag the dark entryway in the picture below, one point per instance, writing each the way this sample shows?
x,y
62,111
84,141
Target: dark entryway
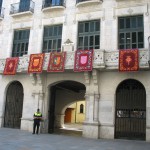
x,y
73,86
14,104
130,113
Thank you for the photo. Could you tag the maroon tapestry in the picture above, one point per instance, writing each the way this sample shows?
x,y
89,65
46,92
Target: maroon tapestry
x,y
128,60
11,66
83,60
36,63
56,62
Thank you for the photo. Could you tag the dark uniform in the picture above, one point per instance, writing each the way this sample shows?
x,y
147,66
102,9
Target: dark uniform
x,y
37,118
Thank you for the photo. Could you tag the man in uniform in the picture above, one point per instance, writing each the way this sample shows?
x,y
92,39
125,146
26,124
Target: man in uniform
x,y
37,118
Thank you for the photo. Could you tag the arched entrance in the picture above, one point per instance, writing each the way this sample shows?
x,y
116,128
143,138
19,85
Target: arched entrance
x,y
13,106
130,122
62,94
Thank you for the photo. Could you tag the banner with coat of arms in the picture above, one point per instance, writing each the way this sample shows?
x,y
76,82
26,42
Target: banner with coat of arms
x,y
128,60
11,66
36,63
83,60
56,62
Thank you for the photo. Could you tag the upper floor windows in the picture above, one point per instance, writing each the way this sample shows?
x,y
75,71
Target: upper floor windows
x,y
51,3
52,38
22,6
89,35
1,10
20,44
131,32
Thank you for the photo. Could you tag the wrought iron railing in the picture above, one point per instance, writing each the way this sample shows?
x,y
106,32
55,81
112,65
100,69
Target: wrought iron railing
x,y
2,12
18,7
78,1
52,3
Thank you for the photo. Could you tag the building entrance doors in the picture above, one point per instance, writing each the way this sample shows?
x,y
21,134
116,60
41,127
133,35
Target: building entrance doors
x,y
130,122
14,104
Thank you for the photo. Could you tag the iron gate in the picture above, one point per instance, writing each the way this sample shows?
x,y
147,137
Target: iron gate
x,y
14,104
130,120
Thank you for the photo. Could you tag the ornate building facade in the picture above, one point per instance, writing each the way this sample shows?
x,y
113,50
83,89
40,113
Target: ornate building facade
x,y
117,103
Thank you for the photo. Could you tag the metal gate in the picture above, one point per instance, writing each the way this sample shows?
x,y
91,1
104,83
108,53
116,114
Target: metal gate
x,y
130,122
14,104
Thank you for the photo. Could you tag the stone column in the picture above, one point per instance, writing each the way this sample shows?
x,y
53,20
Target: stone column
x,y
59,120
96,107
87,110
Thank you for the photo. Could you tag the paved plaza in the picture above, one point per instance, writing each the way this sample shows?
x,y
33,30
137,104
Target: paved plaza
x,y
15,139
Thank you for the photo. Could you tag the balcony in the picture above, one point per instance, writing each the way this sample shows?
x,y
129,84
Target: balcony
x,y
19,9
103,60
87,2
1,13
53,5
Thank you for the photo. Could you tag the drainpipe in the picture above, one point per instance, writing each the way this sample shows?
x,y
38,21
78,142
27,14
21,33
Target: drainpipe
x,y
149,50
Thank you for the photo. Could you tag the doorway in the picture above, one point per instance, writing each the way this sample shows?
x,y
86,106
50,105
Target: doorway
x,y
13,106
130,116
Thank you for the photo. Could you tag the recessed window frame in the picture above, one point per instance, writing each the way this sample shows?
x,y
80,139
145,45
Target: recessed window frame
x,y
20,42
81,108
131,32
89,34
52,38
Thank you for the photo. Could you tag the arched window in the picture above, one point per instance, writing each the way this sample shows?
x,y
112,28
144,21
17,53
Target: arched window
x,y
81,108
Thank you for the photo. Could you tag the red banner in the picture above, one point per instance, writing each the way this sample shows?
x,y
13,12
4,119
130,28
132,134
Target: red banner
x,y
83,60
11,66
128,60
56,62
36,63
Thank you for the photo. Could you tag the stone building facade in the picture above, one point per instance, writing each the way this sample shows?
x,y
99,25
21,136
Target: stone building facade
x,y
22,93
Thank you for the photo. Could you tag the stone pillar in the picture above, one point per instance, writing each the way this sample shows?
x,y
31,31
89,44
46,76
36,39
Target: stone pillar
x,y
59,120
87,110
96,107
91,124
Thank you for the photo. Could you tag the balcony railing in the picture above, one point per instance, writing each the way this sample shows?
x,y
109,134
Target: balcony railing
x,y
1,12
103,60
53,3
20,8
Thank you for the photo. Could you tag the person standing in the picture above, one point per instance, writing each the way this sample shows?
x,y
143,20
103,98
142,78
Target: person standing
x,y
37,119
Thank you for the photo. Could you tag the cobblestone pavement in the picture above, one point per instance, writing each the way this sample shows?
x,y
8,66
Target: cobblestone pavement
x,y
15,139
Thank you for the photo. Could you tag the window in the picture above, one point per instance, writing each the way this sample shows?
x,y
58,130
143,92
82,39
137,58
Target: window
x,y
20,44
89,35
24,5
131,32
52,39
81,108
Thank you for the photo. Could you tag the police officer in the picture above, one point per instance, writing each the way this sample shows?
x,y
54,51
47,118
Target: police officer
x,y
37,118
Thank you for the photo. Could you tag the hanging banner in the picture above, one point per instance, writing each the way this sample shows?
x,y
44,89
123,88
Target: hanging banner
x,y
128,60
11,66
83,60
36,63
56,62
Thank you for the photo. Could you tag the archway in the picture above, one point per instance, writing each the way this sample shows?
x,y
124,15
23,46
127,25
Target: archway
x,y
130,121
61,95
13,106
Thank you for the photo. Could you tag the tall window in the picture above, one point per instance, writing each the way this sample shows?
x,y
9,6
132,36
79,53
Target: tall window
x,y
20,44
24,5
89,35
1,1
131,32
52,39
81,108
